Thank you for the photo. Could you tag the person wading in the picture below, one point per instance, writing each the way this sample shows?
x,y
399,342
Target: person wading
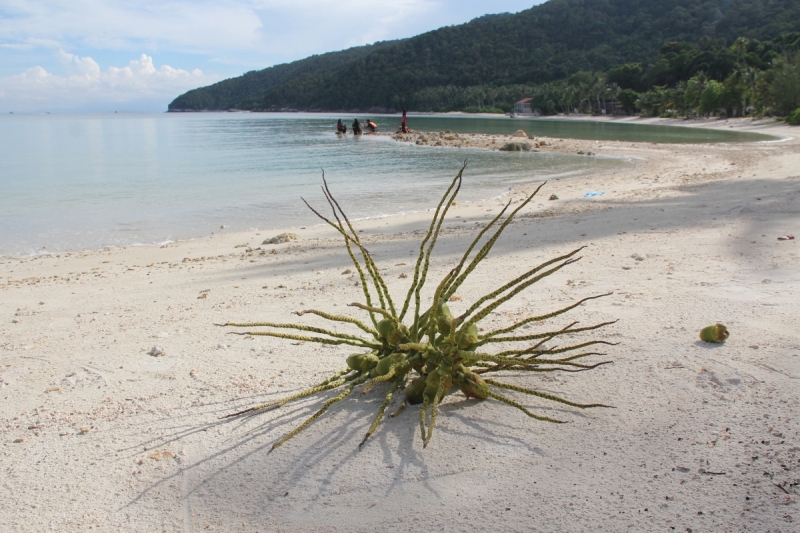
x,y
403,125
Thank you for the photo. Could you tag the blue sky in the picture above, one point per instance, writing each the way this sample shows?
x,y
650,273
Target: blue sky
x,y
101,55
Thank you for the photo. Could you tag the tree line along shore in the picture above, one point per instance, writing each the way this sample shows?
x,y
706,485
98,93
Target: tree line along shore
x,y
674,58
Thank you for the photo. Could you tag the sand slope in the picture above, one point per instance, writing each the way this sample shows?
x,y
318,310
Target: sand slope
x,y
98,434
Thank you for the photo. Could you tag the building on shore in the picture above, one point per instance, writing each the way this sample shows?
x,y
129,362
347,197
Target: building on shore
x,y
523,108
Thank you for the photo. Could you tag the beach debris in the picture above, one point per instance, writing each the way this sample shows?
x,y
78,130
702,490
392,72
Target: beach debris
x,y
425,349
593,193
53,388
282,238
553,197
157,351
160,456
637,257
786,238
515,147
716,333
520,133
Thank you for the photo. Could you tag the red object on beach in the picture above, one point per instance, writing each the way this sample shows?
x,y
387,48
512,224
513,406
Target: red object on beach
x,y
786,238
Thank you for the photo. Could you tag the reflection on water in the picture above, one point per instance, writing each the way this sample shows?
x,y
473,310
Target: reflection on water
x,y
72,181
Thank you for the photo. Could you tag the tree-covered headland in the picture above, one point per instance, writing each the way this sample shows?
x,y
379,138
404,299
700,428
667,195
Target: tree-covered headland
x,y
668,58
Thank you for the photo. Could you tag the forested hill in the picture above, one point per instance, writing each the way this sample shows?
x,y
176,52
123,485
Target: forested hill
x,y
545,43
247,91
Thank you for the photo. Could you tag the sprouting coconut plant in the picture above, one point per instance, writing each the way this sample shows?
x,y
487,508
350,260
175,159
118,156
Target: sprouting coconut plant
x,y
425,350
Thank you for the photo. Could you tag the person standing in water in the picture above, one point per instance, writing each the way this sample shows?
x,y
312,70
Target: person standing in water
x,y
403,125
356,127
341,128
371,126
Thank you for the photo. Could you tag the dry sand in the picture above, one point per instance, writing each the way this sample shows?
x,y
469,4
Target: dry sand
x,y
99,434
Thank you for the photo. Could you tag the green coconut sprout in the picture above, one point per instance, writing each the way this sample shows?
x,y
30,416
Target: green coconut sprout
x,y
716,333
425,350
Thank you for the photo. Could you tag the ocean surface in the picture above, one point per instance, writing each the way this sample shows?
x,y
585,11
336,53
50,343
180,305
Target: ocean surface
x,y
73,182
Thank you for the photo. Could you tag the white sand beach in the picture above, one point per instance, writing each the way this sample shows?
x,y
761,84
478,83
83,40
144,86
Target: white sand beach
x,y
98,434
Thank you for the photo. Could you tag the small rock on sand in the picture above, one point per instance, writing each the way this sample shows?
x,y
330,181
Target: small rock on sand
x,y
282,238
520,133
157,351
516,147
553,197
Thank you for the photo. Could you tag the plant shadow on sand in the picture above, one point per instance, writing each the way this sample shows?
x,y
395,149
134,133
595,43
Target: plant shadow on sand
x,y
229,460
765,205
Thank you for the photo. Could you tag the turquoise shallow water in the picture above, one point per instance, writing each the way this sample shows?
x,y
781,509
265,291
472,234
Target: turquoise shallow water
x,y
71,182
583,129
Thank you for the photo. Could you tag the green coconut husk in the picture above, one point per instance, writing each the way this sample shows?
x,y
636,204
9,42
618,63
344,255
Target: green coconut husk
x,y
424,347
716,333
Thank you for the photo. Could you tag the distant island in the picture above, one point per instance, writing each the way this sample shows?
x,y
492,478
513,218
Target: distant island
x,y
667,58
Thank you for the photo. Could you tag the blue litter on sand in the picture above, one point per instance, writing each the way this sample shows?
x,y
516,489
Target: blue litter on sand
x,y
593,193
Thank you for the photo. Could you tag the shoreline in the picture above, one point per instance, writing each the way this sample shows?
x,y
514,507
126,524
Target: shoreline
x,y
493,142
97,432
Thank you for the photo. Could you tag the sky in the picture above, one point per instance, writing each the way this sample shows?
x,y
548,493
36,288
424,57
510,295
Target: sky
x,y
137,56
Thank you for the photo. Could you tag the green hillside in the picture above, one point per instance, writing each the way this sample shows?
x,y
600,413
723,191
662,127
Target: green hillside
x,y
546,43
247,91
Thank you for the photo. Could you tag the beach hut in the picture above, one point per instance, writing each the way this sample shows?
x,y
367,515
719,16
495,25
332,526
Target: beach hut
x,y
523,107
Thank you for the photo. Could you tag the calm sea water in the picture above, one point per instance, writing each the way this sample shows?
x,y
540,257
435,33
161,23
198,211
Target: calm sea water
x,y
584,129
70,182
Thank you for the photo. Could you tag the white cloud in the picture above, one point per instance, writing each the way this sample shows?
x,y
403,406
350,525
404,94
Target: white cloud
x,y
104,24
87,86
312,24
288,29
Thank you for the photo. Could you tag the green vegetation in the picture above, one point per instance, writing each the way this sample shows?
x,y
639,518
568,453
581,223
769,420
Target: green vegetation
x,y
247,91
424,349
794,117
494,110
749,77
569,55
